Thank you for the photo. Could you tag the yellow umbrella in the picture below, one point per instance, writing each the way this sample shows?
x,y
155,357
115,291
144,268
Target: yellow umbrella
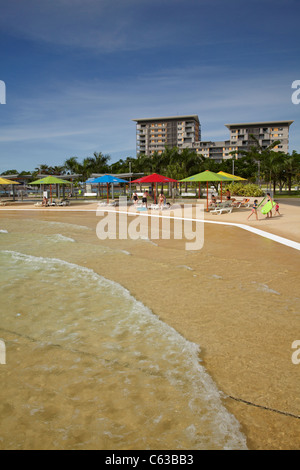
x,y
4,181
233,177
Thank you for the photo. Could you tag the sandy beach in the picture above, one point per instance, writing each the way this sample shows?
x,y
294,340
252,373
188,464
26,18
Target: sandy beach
x,y
237,298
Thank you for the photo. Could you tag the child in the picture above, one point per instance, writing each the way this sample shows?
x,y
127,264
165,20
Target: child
x,y
277,208
161,200
254,210
135,198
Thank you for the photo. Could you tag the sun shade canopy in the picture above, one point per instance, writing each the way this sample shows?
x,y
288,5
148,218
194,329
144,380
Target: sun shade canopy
x,y
107,179
51,180
154,178
4,181
204,177
233,177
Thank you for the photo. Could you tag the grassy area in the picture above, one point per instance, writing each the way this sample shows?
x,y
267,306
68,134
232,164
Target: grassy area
x,y
291,194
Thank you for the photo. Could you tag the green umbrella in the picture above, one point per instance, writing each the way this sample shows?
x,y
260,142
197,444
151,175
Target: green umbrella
x,y
207,176
50,180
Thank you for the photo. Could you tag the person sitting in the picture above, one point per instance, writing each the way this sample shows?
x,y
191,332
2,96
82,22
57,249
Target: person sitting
x,y
213,200
45,202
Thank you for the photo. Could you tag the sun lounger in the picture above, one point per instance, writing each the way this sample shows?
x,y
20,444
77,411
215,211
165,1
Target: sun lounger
x,y
62,202
245,203
228,210
222,207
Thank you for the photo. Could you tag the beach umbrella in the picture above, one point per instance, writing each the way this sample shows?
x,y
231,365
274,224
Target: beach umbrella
x,y
232,177
207,176
50,180
108,179
154,178
4,181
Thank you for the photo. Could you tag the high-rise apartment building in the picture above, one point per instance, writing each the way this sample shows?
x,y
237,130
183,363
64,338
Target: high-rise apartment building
x,y
265,133
154,134
245,135
185,132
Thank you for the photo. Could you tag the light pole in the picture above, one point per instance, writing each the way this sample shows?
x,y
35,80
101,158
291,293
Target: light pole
x,y
130,180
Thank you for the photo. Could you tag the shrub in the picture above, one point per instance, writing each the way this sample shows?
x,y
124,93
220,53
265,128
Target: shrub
x,y
245,190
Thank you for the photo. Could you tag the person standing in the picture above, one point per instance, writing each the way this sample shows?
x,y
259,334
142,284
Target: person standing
x,y
269,214
145,199
135,198
276,209
254,210
161,200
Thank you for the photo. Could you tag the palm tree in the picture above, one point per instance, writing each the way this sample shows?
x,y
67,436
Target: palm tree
x,y
44,169
292,167
99,163
71,165
259,154
273,165
58,170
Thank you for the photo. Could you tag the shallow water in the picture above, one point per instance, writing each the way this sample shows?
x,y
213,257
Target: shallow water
x,y
88,366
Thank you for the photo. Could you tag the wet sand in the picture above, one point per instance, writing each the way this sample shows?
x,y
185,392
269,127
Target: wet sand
x,y
238,298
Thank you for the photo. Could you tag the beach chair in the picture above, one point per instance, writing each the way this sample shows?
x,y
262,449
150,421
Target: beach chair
x,y
245,203
63,202
227,210
222,207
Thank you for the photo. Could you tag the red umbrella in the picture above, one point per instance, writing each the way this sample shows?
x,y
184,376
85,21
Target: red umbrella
x,y
154,178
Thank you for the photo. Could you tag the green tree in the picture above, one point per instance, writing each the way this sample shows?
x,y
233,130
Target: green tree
x,y
72,166
292,168
99,163
259,154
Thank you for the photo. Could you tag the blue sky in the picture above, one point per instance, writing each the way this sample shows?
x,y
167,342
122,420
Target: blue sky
x,y
78,71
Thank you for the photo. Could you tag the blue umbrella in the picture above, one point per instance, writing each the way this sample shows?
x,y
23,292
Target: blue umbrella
x,y
107,179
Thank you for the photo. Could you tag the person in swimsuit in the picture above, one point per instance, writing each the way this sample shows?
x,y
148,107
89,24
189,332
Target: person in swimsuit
x,y
161,200
254,210
144,199
213,200
135,198
277,209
